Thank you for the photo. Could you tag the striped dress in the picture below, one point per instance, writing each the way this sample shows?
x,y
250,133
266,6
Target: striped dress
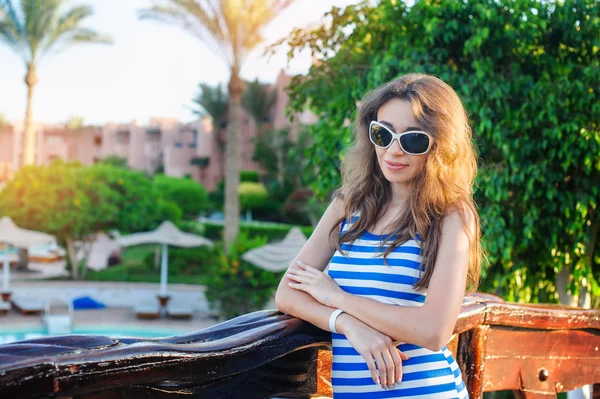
x,y
426,374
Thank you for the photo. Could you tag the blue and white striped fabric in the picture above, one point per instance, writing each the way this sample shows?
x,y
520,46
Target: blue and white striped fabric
x,y
426,374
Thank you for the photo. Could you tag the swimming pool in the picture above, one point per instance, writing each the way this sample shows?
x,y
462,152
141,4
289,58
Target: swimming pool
x,y
8,336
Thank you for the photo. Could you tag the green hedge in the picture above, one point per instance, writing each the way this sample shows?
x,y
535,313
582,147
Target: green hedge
x,y
273,231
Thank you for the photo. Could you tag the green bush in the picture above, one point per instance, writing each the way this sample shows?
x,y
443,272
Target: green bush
x,y
168,210
187,261
188,194
193,227
252,195
273,231
249,176
269,211
295,207
235,287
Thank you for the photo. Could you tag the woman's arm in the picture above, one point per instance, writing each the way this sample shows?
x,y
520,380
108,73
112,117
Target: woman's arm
x,y
318,250
430,325
377,349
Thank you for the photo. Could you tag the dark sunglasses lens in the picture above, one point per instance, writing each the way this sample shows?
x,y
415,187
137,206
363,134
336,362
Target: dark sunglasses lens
x,y
415,143
380,136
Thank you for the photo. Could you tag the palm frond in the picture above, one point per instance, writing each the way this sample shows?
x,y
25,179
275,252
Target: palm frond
x,y
68,31
230,27
39,17
199,20
38,26
12,31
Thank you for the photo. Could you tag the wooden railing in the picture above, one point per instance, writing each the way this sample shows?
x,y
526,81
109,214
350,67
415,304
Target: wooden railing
x,y
534,350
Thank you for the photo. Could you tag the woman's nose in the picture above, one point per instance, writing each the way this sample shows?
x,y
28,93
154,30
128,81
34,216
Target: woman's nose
x,y
395,147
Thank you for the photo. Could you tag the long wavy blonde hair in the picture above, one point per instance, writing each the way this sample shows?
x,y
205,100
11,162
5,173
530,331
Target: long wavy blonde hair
x,y
443,185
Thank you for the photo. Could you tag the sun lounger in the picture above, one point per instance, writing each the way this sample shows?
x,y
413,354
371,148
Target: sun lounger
x,y
28,306
179,311
4,307
147,311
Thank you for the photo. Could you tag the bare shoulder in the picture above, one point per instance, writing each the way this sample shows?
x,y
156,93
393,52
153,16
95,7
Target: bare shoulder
x,y
460,219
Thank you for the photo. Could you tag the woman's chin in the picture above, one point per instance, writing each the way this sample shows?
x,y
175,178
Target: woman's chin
x,y
394,178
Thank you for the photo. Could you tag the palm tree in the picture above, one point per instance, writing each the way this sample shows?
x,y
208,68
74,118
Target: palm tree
x,y
211,100
232,29
33,30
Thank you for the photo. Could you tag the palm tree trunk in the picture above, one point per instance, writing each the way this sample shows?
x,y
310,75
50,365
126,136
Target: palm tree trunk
x,y
232,156
30,81
72,254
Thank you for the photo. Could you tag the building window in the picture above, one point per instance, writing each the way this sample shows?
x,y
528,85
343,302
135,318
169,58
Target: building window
x,y
193,138
123,137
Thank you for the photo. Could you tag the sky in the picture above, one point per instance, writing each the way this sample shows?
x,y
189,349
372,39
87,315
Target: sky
x,y
151,70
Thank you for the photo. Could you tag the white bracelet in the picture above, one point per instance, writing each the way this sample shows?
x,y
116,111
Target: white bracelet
x,y
333,318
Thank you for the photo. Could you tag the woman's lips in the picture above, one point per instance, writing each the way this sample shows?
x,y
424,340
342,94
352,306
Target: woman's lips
x,y
395,165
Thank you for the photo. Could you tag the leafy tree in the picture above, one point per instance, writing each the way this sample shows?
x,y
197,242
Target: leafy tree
x,y
73,202
232,27
187,194
36,28
133,195
527,72
211,100
54,199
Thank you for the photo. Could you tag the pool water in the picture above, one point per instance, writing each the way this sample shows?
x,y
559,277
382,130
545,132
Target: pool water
x,y
9,336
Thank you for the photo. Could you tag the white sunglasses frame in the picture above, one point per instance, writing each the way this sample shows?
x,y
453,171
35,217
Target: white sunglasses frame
x,y
396,136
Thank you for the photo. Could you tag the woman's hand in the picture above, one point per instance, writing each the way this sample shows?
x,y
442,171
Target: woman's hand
x,y
378,350
315,283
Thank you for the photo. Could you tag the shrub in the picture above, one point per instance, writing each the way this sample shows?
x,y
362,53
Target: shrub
x,y
235,287
294,209
252,195
188,194
273,231
249,176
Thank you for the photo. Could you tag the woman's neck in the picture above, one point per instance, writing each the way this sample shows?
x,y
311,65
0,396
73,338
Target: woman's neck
x,y
400,194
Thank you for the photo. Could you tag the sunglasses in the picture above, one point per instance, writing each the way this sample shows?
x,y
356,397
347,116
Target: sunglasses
x,y
414,142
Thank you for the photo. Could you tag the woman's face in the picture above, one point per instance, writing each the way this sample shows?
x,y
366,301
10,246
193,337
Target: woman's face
x,y
397,166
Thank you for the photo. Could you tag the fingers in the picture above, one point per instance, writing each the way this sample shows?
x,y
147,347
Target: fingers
x,y
380,364
397,356
298,287
390,368
298,278
403,355
308,268
372,369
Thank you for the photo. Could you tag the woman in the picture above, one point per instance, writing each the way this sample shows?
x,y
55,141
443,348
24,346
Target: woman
x,y
402,242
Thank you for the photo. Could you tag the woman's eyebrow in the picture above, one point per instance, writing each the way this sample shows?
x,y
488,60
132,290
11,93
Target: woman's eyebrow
x,y
409,128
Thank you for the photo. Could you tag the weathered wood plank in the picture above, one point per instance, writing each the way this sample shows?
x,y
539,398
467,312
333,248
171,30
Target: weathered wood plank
x,y
540,360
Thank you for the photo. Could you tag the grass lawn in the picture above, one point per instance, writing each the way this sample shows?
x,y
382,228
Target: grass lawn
x,y
133,269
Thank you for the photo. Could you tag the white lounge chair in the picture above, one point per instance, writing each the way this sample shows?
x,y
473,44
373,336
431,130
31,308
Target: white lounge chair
x,y
179,310
147,311
4,307
28,306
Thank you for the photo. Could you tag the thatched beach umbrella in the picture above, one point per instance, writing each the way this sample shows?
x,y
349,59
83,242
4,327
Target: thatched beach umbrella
x,y
277,256
166,234
12,235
